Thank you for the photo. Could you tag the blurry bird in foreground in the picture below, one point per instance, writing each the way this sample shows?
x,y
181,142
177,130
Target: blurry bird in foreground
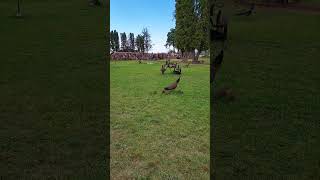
x,y
171,86
163,69
177,70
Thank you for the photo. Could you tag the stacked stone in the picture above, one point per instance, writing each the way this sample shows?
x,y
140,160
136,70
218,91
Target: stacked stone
x,y
142,56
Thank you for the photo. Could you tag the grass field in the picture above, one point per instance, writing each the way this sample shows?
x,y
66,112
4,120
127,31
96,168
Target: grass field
x,y
53,90
154,135
272,129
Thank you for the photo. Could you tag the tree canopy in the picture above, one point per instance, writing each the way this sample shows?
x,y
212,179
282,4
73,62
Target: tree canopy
x,y
191,26
170,39
147,39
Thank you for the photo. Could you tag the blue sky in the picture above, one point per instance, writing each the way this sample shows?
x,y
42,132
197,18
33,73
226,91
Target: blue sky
x,y
133,15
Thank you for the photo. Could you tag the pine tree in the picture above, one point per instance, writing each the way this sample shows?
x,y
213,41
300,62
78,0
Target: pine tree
x,y
112,41
131,42
140,43
116,40
185,30
202,32
191,26
123,41
147,39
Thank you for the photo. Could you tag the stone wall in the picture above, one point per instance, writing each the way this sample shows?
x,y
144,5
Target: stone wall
x,y
143,56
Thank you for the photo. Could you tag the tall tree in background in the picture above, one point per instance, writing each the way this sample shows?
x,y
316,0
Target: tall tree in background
x,y
185,29
131,42
202,33
124,42
191,28
112,41
116,40
140,43
170,39
147,39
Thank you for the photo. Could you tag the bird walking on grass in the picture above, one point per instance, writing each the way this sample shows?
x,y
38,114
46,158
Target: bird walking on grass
x,y
172,86
163,69
177,70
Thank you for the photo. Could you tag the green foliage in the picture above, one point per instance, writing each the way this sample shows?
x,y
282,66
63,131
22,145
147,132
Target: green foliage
x,y
170,39
185,21
191,25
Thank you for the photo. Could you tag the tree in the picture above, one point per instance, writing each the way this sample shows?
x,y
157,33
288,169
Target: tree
x,y
191,26
185,30
131,42
124,43
147,39
202,32
112,41
140,43
116,40
170,39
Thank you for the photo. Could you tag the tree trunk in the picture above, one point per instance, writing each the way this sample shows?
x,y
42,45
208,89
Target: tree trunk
x,y
183,54
196,57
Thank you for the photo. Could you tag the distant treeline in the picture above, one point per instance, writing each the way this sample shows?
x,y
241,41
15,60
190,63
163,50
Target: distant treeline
x,y
141,43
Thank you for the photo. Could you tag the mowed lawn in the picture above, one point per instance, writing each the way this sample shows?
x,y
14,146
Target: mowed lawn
x,y
272,129
154,135
53,87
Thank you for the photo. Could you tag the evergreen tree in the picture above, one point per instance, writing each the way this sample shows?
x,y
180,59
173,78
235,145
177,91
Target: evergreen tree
x,y
112,41
131,42
123,41
116,40
140,43
202,32
191,26
185,30
147,39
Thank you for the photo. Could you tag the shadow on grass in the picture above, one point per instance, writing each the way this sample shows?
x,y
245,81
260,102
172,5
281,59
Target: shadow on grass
x,y
174,92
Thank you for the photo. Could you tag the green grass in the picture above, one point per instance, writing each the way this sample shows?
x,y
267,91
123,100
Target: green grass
x,y
154,135
52,89
272,129
311,2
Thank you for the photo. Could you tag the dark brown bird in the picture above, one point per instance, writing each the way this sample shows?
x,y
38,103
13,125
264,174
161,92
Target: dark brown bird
x,y
163,69
171,86
177,70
